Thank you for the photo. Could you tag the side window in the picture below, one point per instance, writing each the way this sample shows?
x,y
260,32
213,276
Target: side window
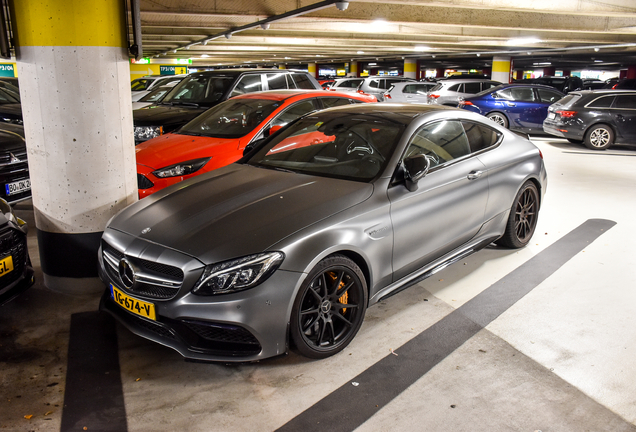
x,y
455,88
440,142
549,95
329,102
293,112
408,88
625,101
479,137
523,94
374,84
276,81
602,102
302,81
472,87
248,84
487,85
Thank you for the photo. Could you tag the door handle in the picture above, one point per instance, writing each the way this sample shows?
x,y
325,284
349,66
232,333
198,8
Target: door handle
x,y
473,175
510,104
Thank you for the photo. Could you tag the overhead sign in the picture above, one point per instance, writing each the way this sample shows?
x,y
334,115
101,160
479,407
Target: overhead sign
x,y
145,60
7,70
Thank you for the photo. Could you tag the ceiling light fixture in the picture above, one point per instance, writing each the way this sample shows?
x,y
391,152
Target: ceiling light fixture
x,y
204,55
342,5
227,35
597,49
265,26
421,48
359,52
478,55
523,41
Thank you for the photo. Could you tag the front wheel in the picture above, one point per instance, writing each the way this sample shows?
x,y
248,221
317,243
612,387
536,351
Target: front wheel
x,y
498,118
329,308
523,218
599,137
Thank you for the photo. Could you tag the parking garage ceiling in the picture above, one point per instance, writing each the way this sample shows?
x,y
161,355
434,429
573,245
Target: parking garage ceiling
x,y
455,33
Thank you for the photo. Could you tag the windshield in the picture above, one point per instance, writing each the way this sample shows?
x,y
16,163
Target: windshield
x,y
231,119
199,90
140,84
155,95
7,98
353,147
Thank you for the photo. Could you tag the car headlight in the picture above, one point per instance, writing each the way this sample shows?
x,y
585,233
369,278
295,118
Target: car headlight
x,y
144,133
12,121
182,168
7,210
237,275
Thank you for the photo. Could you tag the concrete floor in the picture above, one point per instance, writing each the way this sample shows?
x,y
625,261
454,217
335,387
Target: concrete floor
x,y
560,359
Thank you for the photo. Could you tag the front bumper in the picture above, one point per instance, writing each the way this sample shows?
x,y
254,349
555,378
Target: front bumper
x,y
22,276
245,326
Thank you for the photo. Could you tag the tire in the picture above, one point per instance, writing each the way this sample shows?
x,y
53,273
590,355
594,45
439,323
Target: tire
x,y
498,118
575,141
522,220
599,137
320,326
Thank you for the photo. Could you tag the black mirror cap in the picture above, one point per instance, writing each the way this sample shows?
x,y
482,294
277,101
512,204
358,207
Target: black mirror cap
x,y
415,167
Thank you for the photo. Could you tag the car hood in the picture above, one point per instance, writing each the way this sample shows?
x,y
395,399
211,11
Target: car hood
x,y
14,110
174,148
170,117
237,210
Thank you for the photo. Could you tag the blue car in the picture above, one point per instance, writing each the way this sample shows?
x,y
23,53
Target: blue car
x,y
521,107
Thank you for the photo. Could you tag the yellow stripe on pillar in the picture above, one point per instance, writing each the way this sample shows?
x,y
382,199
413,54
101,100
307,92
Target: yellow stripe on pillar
x,y
501,66
410,66
69,23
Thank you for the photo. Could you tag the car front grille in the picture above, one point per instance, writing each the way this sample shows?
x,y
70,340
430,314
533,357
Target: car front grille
x,y
154,280
143,182
14,245
221,333
12,172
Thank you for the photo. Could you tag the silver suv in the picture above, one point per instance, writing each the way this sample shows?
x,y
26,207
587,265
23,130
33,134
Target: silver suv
x,y
448,91
378,85
346,84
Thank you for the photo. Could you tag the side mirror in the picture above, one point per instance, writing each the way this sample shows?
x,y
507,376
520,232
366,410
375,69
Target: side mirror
x,y
415,167
248,148
273,130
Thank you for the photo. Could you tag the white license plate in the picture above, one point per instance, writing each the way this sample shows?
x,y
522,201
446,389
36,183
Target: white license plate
x,y
17,187
551,116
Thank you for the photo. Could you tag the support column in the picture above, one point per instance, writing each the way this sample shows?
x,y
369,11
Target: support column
x,y
410,68
282,66
501,69
549,71
439,72
631,72
418,71
567,72
487,71
353,69
76,104
312,69
622,73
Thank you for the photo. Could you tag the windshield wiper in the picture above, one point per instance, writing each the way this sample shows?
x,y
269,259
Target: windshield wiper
x,y
186,103
181,132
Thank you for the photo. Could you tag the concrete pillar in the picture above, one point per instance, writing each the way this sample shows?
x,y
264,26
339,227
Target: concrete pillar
x,y
282,66
487,71
631,72
439,72
501,69
312,69
418,71
373,72
76,104
622,73
567,73
549,71
410,68
353,69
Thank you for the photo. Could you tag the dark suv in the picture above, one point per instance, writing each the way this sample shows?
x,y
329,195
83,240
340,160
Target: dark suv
x,y
598,118
201,91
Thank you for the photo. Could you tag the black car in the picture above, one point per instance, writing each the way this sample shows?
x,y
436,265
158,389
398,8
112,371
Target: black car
x,y
10,107
16,271
597,118
625,84
14,169
564,84
201,91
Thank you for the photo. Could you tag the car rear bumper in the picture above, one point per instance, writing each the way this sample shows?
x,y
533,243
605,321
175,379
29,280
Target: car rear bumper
x,y
563,130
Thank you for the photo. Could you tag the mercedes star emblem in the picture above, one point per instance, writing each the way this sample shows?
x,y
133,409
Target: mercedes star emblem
x,y
127,273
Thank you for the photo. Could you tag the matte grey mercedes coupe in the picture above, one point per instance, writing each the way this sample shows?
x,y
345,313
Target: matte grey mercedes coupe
x,y
333,213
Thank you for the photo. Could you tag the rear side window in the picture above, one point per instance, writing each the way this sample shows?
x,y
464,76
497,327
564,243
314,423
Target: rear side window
x,y
523,94
602,102
625,101
415,88
329,102
479,136
276,81
549,95
302,81
472,87
567,99
348,83
436,87
455,88
374,84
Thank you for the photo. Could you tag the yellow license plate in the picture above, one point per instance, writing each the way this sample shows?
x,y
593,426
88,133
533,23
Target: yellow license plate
x,y
6,265
138,307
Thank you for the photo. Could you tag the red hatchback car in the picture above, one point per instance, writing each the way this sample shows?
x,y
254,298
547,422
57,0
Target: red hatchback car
x,y
218,136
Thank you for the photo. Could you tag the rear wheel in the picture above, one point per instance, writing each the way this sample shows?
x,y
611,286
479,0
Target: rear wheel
x,y
498,118
523,218
329,308
599,137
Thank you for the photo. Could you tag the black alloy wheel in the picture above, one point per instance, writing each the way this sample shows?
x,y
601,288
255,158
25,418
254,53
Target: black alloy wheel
x,y
523,218
329,308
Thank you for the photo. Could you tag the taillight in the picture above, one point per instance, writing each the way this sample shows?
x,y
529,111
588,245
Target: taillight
x,y
566,114
540,154
387,96
614,86
467,103
434,96
360,91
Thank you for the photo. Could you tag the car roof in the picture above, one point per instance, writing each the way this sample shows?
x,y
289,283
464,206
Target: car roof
x,y
281,95
239,71
604,92
396,112
540,86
